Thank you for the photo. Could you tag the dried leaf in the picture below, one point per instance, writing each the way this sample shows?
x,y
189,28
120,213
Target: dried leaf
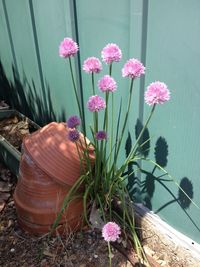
x,y
95,218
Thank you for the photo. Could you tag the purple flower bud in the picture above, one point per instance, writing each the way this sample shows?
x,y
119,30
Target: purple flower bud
x,y
73,135
73,121
101,135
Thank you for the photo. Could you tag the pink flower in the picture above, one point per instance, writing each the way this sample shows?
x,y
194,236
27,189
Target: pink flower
x,y
96,103
107,84
133,68
157,93
92,64
110,53
111,231
68,48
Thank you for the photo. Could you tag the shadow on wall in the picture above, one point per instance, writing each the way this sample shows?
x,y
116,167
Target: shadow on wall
x,y
30,102
134,185
145,189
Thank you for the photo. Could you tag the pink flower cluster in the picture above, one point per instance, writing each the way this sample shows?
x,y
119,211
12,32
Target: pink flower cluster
x,y
96,103
133,68
111,232
157,93
92,65
68,48
110,53
107,84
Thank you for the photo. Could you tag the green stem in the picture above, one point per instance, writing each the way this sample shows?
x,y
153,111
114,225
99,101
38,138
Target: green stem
x,y
111,137
105,123
86,155
110,206
112,131
110,255
93,88
96,130
76,94
134,149
117,147
98,200
96,122
126,118
80,158
85,198
66,201
99,162
110,69
105,126
97,159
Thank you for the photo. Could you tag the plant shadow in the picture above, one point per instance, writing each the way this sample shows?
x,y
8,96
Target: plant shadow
x,y
146,188
134,185
30,102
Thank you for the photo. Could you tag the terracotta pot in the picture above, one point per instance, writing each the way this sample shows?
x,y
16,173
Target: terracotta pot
x,y
49,167
55,154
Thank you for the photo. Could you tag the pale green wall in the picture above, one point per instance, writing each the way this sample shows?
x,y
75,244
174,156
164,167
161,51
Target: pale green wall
x,y
173,56
164,35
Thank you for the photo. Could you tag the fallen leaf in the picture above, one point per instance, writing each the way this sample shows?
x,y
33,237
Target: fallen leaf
x,y
95,218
